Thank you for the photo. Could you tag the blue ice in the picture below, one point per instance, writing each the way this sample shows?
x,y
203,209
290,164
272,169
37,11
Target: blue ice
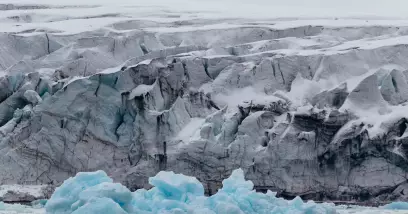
x,y
95,193
396,206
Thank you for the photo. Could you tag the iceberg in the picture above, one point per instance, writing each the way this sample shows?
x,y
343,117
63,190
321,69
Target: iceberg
x,y
399,205
68,195
100,205
95,193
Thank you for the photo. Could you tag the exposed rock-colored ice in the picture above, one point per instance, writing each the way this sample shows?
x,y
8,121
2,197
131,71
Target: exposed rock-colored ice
x,y
23,193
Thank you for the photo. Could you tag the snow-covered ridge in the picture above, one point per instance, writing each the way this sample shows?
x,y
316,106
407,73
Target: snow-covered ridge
x,y
79,16
306,106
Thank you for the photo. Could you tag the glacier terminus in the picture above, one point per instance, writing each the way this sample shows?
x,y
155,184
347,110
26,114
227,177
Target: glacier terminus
x,y
302,98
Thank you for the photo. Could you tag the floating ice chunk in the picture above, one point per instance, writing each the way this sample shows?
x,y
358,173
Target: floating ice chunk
x,y
40,203
18,209
100,206
94,193
68,193
236,181
396,206
115,191
176,186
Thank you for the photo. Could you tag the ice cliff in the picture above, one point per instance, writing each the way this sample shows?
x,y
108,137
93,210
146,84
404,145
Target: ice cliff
x,y
316,110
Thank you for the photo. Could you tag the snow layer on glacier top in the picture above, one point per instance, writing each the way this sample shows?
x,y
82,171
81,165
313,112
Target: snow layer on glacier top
x,y
277,14
258,8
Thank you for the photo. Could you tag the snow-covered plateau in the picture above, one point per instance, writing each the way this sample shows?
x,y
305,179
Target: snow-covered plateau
x,y
308,98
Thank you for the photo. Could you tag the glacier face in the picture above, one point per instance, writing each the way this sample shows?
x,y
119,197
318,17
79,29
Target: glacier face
x,y
316,110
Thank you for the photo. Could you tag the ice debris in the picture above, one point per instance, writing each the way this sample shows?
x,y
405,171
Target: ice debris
x,y
95,193
40,203
396,206
17,208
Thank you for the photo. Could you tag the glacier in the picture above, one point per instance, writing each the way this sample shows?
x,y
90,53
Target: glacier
x,y
314,107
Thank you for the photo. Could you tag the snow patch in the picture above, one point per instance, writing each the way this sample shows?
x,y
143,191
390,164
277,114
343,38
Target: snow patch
x,y
190,130
140,90
34,190
244,96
